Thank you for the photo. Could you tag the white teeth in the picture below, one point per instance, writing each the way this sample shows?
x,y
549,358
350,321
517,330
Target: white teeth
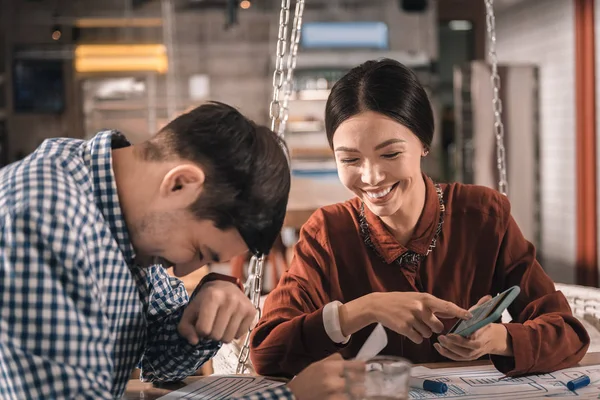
x,y
381,193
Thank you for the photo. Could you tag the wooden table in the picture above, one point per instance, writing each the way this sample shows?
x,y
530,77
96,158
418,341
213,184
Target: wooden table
x,y
309,194
137,390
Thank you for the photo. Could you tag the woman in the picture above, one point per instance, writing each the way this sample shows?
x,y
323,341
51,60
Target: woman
x,y
408,253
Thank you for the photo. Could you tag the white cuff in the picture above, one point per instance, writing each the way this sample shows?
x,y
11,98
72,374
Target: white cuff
x,y
331,321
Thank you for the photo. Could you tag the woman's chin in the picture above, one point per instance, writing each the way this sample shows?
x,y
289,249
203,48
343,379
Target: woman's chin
x,y
383,210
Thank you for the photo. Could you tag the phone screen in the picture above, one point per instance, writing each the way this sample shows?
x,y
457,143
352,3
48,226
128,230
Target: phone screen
x,y
480,313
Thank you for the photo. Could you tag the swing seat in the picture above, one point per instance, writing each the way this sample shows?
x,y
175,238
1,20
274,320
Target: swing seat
x,y
585,305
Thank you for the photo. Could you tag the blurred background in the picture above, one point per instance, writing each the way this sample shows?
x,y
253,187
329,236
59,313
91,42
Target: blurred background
x,y
72,68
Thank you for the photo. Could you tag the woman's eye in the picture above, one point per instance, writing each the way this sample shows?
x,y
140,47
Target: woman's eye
x,y
348,160
391,155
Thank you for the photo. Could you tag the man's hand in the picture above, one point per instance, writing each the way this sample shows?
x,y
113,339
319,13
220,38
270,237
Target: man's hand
x,y
491,339
327,379
219,311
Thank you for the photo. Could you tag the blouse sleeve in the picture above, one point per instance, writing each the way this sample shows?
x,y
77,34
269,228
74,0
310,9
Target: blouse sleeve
x,y
291,334
544,333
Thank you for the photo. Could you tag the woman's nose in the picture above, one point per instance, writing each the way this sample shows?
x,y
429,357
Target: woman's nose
x,y
372,174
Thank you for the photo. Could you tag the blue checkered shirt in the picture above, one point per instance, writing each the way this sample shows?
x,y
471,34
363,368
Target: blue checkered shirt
x,y
76,313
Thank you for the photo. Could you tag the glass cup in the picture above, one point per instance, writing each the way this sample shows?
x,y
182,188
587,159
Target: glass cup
x,y
386,378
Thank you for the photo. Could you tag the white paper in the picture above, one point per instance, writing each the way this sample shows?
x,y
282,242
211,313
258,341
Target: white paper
x,y
376,342
485,382
225,362
222,387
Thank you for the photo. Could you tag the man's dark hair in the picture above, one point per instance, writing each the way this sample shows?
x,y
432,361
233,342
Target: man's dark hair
x,y
247,173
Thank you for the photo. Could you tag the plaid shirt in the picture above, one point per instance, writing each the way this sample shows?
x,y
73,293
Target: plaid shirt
x,y
76,313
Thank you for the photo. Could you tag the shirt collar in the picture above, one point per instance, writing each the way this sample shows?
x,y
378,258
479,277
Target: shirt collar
x,y
98,158
387,245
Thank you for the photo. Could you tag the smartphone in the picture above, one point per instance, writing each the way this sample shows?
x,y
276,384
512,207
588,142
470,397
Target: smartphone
x,y
487,313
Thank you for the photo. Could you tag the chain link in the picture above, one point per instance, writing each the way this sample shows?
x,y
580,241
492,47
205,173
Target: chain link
x,y
496,102
275,108
288,84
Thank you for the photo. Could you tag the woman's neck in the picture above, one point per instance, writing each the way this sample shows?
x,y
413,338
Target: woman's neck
x,y
402,224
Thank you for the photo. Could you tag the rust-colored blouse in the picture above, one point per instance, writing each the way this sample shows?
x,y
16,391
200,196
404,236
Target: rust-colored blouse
x,y
479,251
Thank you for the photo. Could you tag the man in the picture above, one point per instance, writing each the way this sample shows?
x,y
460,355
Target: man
x,y
84,227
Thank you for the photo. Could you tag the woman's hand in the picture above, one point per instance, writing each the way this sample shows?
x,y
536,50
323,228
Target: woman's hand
x,y
412,314
491,339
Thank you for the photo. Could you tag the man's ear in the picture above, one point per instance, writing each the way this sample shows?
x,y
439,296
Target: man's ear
x,y
182,185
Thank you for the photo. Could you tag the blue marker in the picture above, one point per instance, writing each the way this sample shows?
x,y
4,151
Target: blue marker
x,y
578,383
429,385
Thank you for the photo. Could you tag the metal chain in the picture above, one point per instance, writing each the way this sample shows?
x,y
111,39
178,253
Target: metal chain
x,y
168,15
276,113
278,74
496,102
291,65
253,290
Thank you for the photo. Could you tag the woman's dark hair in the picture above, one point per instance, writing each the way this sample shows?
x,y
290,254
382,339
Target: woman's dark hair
x,y
386,87
247,172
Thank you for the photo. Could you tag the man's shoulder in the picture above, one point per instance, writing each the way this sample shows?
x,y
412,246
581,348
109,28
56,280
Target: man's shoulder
x,y
44,181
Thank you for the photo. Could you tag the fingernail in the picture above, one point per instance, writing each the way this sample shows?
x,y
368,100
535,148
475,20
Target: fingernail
x,y
468,315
